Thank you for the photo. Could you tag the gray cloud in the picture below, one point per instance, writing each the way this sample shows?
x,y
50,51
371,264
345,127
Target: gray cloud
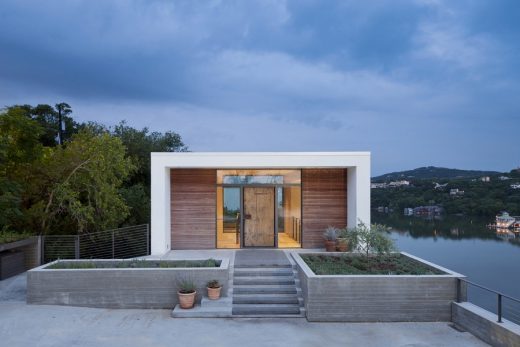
x,y
417,83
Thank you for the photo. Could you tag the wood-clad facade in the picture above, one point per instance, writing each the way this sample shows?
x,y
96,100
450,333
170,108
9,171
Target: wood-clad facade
x,y
193,206
324,203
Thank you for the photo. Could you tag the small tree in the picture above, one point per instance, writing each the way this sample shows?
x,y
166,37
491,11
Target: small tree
x,y
370,240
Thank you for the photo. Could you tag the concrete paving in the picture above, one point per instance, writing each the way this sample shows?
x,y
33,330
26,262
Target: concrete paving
x,y
260,257
39,325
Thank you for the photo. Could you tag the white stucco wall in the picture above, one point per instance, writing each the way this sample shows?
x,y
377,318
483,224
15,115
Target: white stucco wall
x,y
358,185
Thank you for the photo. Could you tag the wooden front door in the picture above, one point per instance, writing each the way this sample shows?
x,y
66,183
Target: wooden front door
x,y
259,217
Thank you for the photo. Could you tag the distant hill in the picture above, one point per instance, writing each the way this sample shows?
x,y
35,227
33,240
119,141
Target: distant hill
x,y
432,172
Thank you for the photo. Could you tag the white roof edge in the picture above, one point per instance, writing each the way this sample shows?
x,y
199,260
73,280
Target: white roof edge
x,y
360,153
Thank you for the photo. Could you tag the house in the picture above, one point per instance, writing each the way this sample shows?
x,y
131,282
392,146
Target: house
x,y
239,200
440,186
515,186
428,210
485,179
399,183
504,178
456,192
408,211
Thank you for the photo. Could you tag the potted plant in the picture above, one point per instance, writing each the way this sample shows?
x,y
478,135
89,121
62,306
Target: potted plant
x,y
342,241
331,237
186,293
214,288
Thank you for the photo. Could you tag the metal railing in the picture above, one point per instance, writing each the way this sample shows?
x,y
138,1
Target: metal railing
x,y
512,314
127,242
296,229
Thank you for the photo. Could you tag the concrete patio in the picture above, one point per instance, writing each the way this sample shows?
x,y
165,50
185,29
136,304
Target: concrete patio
x,y
24,325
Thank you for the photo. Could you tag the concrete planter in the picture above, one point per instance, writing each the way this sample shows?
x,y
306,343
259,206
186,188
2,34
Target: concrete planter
x,y
117,288
377,298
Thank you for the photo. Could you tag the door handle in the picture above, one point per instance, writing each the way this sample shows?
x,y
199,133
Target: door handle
x,y
247,216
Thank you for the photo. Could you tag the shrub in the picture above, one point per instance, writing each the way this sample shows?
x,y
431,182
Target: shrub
x,y
213,284
369,240
186,286
331,233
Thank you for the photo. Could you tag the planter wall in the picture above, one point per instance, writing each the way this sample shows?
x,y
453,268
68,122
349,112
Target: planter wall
x,y
377,298
19,256
118,288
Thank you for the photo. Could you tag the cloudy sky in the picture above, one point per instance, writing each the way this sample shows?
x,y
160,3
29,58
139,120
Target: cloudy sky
x,y
417,83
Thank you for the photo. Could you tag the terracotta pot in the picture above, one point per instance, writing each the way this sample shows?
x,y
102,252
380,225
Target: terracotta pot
x,y
186,300
214,293
342,246
330,246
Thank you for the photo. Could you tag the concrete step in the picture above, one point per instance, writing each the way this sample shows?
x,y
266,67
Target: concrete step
x,y
263,272
265,299
222,302
266,309
202,312
264,289
263,280
277,266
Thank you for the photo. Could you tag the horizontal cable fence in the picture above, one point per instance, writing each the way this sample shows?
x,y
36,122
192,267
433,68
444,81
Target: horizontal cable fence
x,y
504,306
127,242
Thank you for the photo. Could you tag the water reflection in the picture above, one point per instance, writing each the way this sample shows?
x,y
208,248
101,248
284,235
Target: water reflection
x,y
447,227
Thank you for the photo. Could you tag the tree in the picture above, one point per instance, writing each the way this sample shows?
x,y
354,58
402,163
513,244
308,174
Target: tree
x,y
139,144
19,147
81,185
49,120
63,109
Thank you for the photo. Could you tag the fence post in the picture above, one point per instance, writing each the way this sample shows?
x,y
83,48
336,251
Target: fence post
x,y
113,246
76,247
459,290
147,239
499,308
42,250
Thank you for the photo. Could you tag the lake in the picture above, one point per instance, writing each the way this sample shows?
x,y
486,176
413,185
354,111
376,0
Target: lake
x,y
467,246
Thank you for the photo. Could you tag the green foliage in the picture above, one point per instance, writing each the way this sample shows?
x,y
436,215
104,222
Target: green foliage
x,y
10,236
186,286
351,264
331,233
139,144
134,263
19,148
370,240
479,199
46,117
137,198
98,179
432,172
213,284
82,184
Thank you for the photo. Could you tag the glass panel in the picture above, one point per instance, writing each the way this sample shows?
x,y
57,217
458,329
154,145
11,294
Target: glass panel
x,y
228,217
289,217
266,176
250,179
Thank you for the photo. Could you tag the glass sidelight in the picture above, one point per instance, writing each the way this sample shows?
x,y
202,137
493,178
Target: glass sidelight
x,y
288,205
228,217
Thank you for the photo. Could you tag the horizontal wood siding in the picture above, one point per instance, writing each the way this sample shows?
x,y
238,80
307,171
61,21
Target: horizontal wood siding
x,y
324,203
193,208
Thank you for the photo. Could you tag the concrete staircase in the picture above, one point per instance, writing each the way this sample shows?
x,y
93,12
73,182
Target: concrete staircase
x,y
262,283
266,291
